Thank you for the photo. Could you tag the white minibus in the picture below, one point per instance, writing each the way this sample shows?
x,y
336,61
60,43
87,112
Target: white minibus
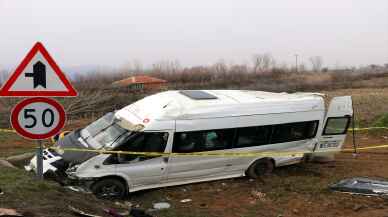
x,y
204,123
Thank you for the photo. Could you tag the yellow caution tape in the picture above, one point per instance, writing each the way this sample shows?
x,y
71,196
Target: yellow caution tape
x,y
220,153
369,128
365,148
7,131
216,154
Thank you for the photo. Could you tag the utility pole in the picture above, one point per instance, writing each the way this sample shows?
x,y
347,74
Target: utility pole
x,y
296,62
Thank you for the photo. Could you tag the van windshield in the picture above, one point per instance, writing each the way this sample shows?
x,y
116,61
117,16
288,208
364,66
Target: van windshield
x,y
104,133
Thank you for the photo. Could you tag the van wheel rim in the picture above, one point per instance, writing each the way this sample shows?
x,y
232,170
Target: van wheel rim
x,y
110,191
261,169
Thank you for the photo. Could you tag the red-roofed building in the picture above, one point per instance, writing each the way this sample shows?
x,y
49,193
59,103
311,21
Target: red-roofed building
x,y
141,82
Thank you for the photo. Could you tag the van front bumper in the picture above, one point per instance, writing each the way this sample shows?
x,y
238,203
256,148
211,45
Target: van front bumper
x,y
83,182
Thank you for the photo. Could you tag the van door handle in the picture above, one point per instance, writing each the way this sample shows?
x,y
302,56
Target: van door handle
x,y
165,159
229,165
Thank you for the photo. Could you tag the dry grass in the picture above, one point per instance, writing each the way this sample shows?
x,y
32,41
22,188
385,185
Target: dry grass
x,y
369,103
97,96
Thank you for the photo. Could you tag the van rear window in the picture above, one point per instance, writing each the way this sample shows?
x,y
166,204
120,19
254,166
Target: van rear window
x,y
336,125
294,131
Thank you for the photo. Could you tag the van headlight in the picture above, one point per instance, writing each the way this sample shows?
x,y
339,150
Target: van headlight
x,y
72,169
58,150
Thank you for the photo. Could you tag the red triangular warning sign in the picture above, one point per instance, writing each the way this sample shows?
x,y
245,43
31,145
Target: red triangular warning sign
x,y
38,75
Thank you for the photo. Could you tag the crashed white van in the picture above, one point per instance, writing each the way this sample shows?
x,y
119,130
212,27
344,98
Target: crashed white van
x,y
204,121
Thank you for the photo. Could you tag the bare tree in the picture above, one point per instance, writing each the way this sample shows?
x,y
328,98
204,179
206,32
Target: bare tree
x,y
257,62
166,66
302,67
316,63
263,62
268,62
88,102
220,67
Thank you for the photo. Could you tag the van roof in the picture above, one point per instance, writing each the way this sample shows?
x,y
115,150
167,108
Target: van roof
x,y
197,104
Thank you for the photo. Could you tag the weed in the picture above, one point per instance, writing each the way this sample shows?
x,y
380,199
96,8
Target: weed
x,y
382,121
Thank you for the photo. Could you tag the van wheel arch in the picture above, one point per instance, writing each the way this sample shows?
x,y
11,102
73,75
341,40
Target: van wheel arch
x,y
260,167
112,179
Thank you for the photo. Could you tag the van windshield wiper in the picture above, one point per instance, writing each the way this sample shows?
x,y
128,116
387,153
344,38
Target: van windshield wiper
x,y
117,138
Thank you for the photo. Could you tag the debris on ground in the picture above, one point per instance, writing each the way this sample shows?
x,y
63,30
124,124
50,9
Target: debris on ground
x,y
363,186
114,213
139,213
358,207
81,213
161,205
186,200
5,163
20,157
78,189
9,212
125,205
258,195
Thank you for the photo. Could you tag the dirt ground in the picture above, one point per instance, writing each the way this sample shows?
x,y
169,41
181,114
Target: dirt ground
x,y
298,190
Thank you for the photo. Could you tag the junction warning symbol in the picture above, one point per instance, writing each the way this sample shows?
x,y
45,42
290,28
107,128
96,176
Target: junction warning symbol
x,y
38,75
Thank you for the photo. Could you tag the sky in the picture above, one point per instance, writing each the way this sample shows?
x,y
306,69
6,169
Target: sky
x,y
81,33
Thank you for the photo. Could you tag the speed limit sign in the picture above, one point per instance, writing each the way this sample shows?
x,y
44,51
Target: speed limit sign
x,y
38,118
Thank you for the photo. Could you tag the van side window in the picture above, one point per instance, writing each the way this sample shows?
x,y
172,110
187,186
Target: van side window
x,y
186,142
143,142
336,125
294,131
146,142
252,136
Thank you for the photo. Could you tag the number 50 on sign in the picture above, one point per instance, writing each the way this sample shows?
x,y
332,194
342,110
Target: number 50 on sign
x,y
38,118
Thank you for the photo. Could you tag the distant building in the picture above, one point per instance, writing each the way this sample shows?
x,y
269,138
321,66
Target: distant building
x,y
141,82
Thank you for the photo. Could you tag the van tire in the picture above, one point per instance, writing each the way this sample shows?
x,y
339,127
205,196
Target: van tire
x,y
109,188
260,167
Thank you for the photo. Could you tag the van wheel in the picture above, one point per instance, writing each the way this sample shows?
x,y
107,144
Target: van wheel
x,y
260,167
109,188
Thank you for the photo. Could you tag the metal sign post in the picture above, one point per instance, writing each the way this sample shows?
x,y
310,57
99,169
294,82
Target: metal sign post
x,y
39,160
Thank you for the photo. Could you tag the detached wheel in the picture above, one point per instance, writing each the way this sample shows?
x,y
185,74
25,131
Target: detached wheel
x,y
109,188
260,167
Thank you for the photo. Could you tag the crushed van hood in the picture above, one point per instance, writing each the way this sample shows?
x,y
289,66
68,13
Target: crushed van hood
x,y
71,140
